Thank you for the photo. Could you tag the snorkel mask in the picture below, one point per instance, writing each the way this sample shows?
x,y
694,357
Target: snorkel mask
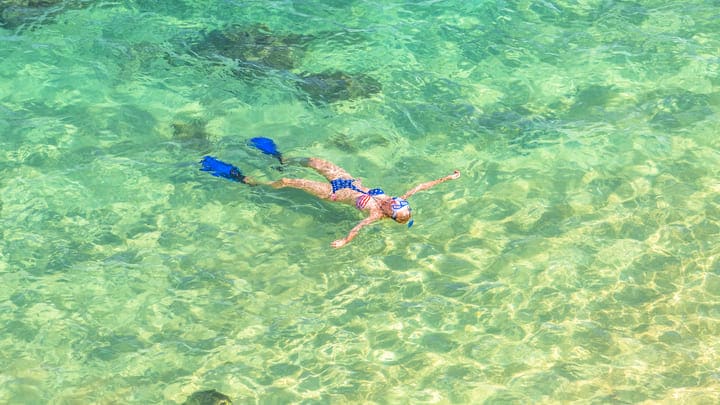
x,y
397,205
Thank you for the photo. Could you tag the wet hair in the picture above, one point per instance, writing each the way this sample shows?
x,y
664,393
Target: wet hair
x,y
402,215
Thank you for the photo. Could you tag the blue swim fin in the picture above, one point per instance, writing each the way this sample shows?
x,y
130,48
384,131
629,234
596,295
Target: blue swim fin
x,y
221,169
266,146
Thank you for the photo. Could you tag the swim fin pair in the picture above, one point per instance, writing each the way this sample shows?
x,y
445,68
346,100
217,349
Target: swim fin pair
x,y
219,168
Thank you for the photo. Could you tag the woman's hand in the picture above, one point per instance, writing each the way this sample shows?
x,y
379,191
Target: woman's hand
x,y
339,243
455,175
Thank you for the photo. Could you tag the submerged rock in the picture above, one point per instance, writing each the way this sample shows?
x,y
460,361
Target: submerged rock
x,y
190,131
209,397
337,86
28,3
255,45
187,128
257,49
18,13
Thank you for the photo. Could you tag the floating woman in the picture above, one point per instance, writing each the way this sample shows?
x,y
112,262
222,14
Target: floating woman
x,y
340,187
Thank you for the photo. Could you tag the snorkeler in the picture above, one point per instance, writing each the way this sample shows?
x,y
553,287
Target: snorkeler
x,y
341,187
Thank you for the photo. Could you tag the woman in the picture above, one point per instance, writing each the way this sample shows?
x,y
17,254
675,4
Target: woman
x,y
341,186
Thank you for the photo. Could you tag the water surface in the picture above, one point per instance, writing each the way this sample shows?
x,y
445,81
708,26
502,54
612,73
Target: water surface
x,y
575,260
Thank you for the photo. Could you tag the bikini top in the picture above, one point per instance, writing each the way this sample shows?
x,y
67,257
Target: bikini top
x,y
365,197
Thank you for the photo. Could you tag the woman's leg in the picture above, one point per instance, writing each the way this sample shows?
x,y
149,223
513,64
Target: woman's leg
x,y
327,169
319,189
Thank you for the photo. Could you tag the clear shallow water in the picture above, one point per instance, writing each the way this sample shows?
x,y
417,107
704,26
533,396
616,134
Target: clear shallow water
x,y
575,260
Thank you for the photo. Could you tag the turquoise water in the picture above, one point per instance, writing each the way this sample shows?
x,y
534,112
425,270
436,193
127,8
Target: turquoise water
x,y
576,259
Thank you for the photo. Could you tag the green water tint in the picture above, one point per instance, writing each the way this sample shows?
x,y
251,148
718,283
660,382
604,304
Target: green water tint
x,y
260,52
575,260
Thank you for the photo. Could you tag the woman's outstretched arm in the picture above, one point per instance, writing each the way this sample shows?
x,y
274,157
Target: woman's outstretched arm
x,y
425,186
344,241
